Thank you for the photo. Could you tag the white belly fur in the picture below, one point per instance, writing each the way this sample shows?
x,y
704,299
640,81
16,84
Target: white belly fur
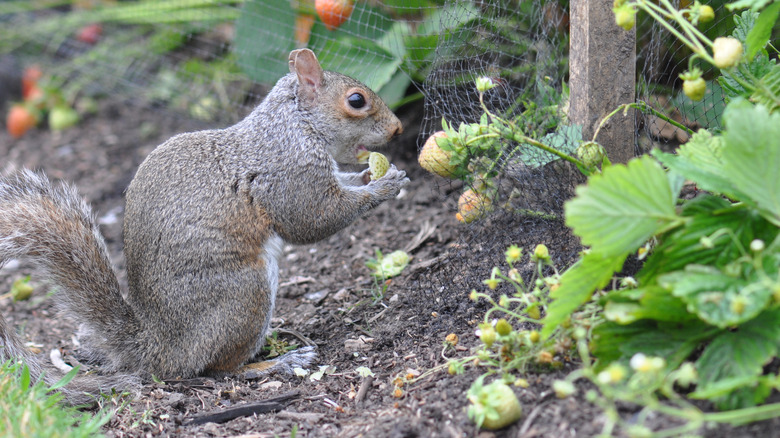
x,y
272,250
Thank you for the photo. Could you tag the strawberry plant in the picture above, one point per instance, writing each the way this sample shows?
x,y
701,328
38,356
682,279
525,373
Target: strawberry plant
x,y
705,306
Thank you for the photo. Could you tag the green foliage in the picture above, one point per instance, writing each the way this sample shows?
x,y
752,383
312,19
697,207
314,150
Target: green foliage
x,y
30,409
715,267
759,36
386,266
383,53
710,287
622,207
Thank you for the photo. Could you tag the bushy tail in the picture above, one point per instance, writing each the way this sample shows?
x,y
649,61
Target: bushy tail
x,y
55,229
82,390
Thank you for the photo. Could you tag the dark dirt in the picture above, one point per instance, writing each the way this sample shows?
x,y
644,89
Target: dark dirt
x,y
327,295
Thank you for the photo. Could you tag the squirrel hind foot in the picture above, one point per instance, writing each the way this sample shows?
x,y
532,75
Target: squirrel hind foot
x,y
286,364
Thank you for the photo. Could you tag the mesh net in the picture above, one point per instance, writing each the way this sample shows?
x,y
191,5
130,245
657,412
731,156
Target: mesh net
x,y
215,60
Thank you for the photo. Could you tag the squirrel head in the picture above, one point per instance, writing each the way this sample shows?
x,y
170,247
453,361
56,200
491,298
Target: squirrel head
x,y
343,110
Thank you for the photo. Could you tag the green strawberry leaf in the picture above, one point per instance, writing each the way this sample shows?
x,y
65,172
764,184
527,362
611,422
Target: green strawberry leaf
x,y
717,298
732,81
751,155
620,209
767,91
761,32
674,342
708,215
700,160
565,139
739,354
577,284
651,302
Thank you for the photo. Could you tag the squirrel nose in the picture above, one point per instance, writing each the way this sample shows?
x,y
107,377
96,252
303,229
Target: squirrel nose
x,y
399,129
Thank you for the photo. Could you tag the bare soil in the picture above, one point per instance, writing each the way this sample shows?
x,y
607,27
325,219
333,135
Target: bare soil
x,y
327,295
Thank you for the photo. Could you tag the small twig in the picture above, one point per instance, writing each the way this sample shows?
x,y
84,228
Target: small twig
x,y
532,416
377,316
364,385
270,405
306,341
426,231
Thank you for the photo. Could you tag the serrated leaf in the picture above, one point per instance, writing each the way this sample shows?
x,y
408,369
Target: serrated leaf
x,y
744,22
708,216
715,297
614,342
577,284
740,354
700,160
651,302
767,91
751,155
618,210
759,36
732,81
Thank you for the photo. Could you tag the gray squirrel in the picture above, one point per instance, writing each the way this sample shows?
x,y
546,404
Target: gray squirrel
x,y
205,220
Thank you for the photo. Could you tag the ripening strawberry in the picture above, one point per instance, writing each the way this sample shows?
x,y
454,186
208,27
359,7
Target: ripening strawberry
x,y
706,14
19,120
334,13
90,34
303,24
434,159
472,206
30,79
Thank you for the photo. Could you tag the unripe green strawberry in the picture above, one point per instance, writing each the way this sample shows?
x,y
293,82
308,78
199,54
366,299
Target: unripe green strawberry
x,y
494,406
378,165
625,16
434,159
695,88
487,334
591,154
726,52
61,117
541,252
503,327
706,14
533,311
21,289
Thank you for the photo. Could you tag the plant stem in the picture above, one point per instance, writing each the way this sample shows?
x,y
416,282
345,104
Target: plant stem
x,y
407,99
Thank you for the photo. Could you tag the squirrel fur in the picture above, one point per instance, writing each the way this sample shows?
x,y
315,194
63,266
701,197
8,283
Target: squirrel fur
x,y
206,216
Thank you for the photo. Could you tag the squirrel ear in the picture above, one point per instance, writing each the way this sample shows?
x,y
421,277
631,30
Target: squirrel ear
x,y
304,63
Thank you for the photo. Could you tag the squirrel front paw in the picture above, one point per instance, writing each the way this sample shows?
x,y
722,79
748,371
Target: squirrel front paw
x,y
391,183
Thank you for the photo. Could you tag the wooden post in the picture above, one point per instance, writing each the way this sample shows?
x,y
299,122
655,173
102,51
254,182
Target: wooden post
x,y
602,75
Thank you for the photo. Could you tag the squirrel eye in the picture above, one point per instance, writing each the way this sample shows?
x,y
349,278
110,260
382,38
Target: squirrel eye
x,y
356,100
